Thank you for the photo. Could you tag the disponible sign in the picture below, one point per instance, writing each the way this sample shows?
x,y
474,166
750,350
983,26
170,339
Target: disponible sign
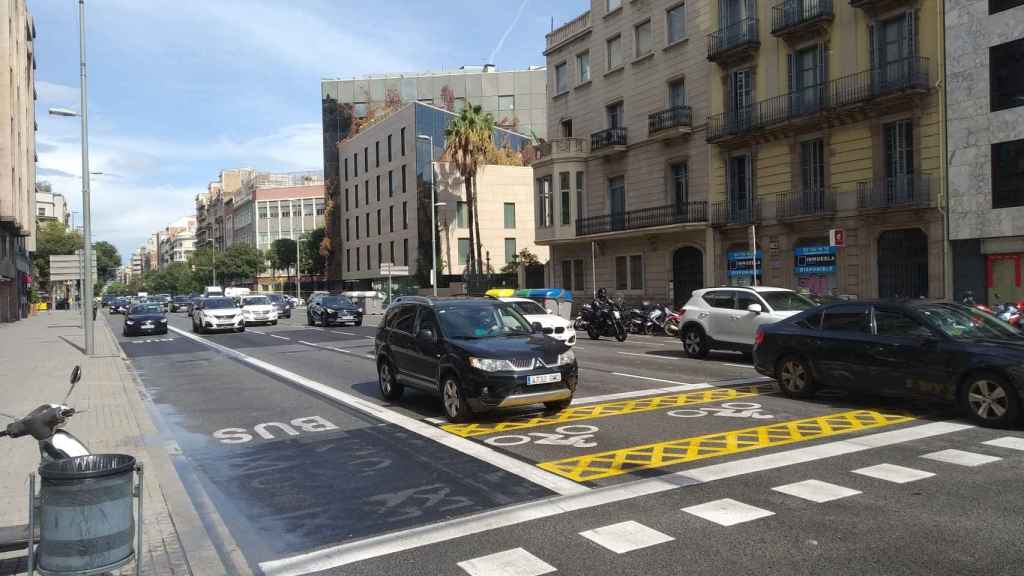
x,y
742,263
815,260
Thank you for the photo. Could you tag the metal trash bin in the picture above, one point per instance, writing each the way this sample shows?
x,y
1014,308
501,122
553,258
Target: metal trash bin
x,y
87,521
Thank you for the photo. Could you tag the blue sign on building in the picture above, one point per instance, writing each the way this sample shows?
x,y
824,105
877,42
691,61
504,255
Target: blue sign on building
x,y
742,263
815,259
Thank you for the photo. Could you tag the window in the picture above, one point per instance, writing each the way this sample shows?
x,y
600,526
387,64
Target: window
x,y
612,5
812,172
405,251
613,52
579,195
348,230
642,39
566,127
621,273
1008,174
366,192
583,67
744,299
1006,83
510,215
507,104
359,259
392,251
561,78
617,200
405,318
461,214
367,228
680,186
888,323
405,215
636,272
545,217
567,275
380,253
463,251
720,299
346,169
458,105
403,179
359,109
676,94
389,147
401,142
812,322
346,199
615,114
355,163
577,274
369,262
379,230
995,6
391,221
564,184
366,158
357,227
391,183
42,212
675,24
510,249
348,260
376,154
273,211
847,318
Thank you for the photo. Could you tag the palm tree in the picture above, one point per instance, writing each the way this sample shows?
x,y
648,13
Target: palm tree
x,y
468,139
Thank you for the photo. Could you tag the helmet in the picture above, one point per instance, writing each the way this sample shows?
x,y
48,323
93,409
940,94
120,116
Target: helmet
x,y
602,293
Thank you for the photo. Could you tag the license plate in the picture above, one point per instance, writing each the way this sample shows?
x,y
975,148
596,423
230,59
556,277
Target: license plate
x,y
345,317
147,325
544,378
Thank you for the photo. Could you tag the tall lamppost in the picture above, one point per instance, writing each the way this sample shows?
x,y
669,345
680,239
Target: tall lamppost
x,y
433,214
87,289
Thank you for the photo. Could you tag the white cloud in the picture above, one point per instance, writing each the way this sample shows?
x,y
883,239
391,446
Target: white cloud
x,y
293,147
57,95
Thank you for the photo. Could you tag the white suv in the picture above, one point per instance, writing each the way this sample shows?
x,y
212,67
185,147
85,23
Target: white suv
x,y
553,325
727,318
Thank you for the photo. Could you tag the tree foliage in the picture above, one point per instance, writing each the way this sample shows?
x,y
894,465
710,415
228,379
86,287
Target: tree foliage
x,y
282,254
524,257
313,259
53,239
239,263
107,260
469,138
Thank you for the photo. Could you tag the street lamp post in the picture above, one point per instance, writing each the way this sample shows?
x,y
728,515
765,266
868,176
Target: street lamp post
x,y
433,215
87,289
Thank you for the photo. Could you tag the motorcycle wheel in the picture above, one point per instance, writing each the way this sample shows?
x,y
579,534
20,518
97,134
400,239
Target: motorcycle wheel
x,y
620,334
672,328
592,332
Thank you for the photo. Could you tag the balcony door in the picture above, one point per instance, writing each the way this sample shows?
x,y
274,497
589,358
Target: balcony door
x,y
741,97
680,190
617,202
812,176
894,47
806,79
739,185
899,162
615,115
731,12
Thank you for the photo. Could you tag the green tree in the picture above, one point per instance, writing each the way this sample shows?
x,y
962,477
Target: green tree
x,y
52,239
282,253
312,261
107,260
468,140
524,257
239,263
202,262
117,289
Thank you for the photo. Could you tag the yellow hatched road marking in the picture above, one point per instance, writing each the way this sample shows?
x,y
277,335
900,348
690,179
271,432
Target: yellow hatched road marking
x,y
618,408
626,460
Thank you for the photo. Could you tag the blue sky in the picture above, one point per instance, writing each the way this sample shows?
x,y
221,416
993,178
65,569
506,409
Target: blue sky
x,y
179,90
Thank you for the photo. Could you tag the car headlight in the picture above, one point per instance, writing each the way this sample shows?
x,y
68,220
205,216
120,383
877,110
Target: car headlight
x,y
567,357
329,310
129,322
490,364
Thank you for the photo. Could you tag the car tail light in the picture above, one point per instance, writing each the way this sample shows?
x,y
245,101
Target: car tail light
x,y
759,337
682,312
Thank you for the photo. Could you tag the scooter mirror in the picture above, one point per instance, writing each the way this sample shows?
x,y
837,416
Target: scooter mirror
x,y
76,374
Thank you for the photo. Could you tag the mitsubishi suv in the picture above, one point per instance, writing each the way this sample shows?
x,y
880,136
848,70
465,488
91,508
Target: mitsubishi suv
x,y
477,354
727,318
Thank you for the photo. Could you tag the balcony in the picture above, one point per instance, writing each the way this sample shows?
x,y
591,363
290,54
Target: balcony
x,y
689,213
675,121
568,31
560,149
797,19
730,213
608,141
734,42
843,100
895,193
809,204
878,6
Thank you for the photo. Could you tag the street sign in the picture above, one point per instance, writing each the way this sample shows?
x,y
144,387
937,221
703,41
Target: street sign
x,y
837,237
69,267
390,269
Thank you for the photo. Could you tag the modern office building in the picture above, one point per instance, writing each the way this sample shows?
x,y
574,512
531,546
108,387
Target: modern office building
x,y
985,146
621,185
516,98
384,207
50,205
17,159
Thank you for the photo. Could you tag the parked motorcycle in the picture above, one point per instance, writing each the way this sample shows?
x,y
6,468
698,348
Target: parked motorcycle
x,y
673,322
637,319
604,320
658,318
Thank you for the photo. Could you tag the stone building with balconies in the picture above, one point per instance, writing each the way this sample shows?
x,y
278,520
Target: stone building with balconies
x,y
620,185
824,114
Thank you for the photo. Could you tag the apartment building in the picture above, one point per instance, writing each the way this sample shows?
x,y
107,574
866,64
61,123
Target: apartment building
x,y
51,205
516,98
825,115
384,206
621,185
214,209
17,159
270,206
985,146
177,241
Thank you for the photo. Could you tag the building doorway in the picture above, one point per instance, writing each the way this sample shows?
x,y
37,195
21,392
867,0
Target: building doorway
x,y
687,273
903,264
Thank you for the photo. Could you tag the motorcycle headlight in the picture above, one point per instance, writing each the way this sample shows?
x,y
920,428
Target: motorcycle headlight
x,y
163,320
129,322
490,364
567,357
616,313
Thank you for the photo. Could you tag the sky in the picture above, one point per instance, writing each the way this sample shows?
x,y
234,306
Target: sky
x,y
180,90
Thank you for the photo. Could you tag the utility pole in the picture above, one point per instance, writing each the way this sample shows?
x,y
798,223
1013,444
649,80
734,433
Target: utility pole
x,y
90,348
298,253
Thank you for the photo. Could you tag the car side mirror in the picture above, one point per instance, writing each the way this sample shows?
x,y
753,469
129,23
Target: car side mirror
x,y
426,336
549,310
76,374
755,308
537,328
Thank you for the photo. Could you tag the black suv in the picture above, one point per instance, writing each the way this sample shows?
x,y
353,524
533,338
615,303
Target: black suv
x,y
327,309
478,354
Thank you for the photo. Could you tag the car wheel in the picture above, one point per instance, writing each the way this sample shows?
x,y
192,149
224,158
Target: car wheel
x,y
455,407
795,378
272,322
390,389
358,324
240,329
990,400
695,343
309,319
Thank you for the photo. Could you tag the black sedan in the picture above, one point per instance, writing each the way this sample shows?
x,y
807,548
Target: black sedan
x,y
904,348
145,319
327,309
120,306
179,303
283,305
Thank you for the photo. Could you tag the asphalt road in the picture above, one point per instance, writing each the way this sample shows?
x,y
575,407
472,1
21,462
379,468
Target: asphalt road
x,y
283,429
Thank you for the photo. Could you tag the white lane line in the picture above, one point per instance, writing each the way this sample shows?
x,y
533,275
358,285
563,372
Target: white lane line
x,y
279,337
727,512
308,344
345,333
367,337
894,473
514,562
257,332
816,491
552,482
437,421
626,536
1011,442
748,366
961,457
374,547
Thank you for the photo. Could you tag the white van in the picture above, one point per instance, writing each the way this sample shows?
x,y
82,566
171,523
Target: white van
x,y
212,291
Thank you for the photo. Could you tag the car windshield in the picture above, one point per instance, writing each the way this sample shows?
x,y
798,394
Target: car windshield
x,y
336,301
484,320
215,303
529,307
147,309
275,298
181,298
256,301
965,323
785,301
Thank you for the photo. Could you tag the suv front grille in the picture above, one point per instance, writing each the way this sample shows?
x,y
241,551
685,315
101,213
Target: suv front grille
x,y
522,363
559,330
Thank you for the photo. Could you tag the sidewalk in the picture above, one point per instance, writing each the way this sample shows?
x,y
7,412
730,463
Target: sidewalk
x,y
36,358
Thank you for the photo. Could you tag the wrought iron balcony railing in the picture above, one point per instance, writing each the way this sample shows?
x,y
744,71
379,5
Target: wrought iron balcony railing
x,y
688,213
607,138
730,212
740,34
674,117
899,192
791,15
801,203
559,147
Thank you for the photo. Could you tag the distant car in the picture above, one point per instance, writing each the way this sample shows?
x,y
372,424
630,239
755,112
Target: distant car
x,y
258,310
902,348
192,304
727,318
328,309
220,313
179,303
552,324
283,305
477,354
106,300
146,318
120,305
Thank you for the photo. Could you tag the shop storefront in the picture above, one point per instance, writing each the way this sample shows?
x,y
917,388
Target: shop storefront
x,y
1003,278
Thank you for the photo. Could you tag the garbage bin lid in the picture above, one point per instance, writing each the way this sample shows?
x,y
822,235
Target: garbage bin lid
x,y
91,466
